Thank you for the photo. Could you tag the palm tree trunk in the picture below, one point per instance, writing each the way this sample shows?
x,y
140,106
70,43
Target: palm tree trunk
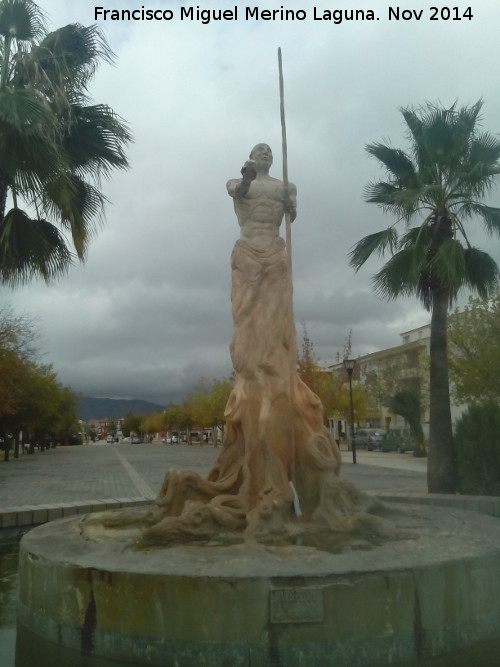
x,y
440,463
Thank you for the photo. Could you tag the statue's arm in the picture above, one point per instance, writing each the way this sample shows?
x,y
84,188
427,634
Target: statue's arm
x,y
238,187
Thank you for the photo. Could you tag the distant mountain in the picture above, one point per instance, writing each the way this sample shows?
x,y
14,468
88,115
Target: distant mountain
x,y
113,408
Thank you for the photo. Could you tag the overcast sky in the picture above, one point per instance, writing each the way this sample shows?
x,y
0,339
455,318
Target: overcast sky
x,y
149,312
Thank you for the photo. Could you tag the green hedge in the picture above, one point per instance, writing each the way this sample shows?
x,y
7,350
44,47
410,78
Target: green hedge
x,y
477,450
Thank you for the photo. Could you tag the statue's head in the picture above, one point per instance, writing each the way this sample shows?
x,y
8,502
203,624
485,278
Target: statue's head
x,y
262,155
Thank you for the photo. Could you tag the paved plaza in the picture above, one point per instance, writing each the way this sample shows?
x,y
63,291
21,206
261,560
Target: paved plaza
x,y
95,471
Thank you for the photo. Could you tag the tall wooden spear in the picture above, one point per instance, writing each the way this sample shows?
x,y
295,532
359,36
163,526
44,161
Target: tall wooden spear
x,y
285,169
288,225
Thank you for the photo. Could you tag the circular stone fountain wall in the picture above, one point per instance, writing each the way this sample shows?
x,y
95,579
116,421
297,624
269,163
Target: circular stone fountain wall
x,y
435,590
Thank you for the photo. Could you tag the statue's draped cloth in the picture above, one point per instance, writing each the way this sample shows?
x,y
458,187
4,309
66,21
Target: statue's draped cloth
x,y
271,414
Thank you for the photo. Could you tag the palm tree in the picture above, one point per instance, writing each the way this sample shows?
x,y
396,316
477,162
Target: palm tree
x,y
441,184
55,145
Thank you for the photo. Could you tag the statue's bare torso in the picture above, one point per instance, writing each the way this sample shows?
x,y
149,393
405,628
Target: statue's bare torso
x,y
260,201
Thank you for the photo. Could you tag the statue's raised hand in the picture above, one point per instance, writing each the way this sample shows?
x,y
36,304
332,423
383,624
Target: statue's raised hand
x,y
249,171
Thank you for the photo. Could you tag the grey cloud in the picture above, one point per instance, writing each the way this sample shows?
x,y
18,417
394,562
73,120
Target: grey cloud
x,y
149,312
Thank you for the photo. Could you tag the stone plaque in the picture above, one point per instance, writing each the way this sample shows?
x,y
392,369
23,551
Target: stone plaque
x,y
296,605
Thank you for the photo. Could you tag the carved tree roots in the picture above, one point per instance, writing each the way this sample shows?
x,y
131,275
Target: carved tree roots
x,y
191,508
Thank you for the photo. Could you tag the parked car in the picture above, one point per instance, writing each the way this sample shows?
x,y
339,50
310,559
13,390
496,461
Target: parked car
x,y
109,439
368,438
170,440
398,440
135,440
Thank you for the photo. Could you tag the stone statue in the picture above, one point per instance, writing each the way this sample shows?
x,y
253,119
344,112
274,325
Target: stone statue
x,y
277,472
259,200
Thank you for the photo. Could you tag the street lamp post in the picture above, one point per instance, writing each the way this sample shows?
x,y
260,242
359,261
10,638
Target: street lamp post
x,y
349,366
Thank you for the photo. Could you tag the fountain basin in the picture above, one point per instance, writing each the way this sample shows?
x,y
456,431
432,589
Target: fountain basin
x,y
433,591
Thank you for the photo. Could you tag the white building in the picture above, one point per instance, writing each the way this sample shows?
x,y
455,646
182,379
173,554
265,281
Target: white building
x,y
385,372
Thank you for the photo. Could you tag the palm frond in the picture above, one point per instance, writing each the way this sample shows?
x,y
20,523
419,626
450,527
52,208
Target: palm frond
x,y
28,158
420,236
80,206
31,248
70,55
477,172
25,111
55,145
377,243
401,274
489,215
397,163
403,202
21,20
413,122
27,180
448,265
377,192
482,272
449,131
484,150
466,121
96,139
441,137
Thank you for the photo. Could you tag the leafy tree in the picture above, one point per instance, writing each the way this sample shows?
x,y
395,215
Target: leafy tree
x,y
209,403
12,371
440,184
32,399
64,418
478,449
360,402
131,424
172,417
111,428
198,404
203,407
187,417
18,333
404,372
407,404
474,353
50,409
332,388
37,403
219,395
323,383
307,367
55,144
152,422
